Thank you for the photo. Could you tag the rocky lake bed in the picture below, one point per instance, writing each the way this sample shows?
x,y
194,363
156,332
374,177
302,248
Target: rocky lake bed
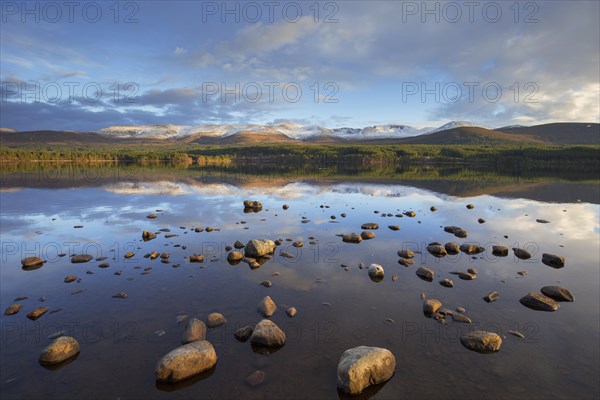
x,y
304,290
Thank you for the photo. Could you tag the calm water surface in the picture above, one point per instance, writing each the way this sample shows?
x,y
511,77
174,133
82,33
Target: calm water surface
x,y
338,308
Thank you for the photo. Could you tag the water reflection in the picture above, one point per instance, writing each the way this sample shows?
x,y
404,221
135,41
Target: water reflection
x,y
338,308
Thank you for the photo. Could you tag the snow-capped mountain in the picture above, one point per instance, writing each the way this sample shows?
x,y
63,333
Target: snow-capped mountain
x,y
292,130
455,124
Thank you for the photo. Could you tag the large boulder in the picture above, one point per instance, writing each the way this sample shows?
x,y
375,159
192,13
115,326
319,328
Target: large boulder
x,y
259,247
267,333
364,366
61,349
482,341
186,361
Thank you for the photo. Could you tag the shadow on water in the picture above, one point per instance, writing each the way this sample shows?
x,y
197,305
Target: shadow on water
x,y
61,365
175,386
366,394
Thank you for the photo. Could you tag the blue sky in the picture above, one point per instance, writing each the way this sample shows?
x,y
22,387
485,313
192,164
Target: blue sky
x,y
346,63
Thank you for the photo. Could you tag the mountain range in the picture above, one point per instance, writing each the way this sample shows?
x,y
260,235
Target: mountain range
x,y
454,132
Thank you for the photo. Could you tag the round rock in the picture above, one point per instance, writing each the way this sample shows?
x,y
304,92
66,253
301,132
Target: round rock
x,y
214,320
376,270
186,361
267,333
61,349
482,341
364,366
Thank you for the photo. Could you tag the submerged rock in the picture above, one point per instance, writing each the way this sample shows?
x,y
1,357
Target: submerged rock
x,y
243,333
558,293
61,349
186,361
81,258
267,333
364,366
539,302
256,378
466,276
482,341
461,318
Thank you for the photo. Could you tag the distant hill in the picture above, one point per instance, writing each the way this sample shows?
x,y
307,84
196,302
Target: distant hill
x,y
470,135
559,133
459,133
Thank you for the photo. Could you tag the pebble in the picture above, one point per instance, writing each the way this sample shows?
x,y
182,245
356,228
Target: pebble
x,y
267,284
13,309
38,312
215,319
425,273
516,333
120,295
447,283
291,312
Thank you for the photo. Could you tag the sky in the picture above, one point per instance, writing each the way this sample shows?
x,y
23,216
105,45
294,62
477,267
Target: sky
x,y
89,65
